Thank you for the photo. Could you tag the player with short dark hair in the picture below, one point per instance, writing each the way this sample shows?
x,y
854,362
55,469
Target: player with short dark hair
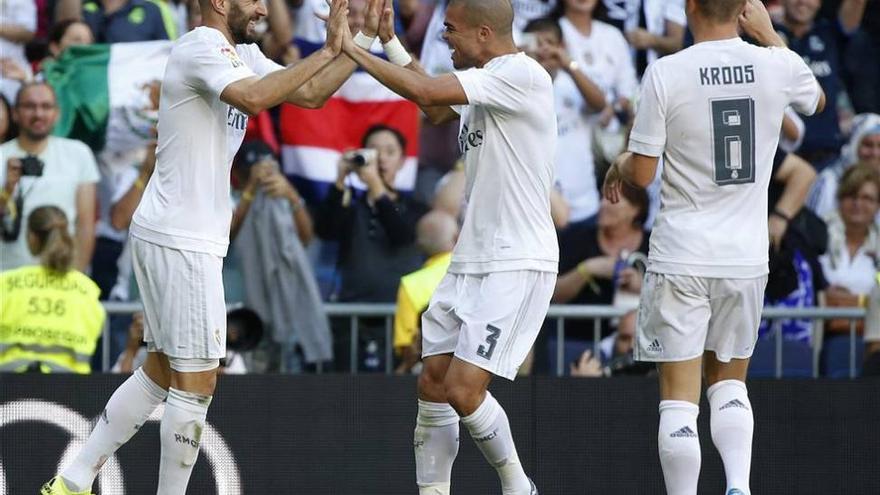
x,y
713,111
214,78
487,311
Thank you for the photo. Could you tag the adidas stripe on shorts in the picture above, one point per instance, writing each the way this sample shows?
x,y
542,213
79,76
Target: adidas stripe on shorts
x,y
682,316
489,320
184,304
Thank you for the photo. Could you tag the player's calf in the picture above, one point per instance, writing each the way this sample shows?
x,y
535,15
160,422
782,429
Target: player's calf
x,y
732,426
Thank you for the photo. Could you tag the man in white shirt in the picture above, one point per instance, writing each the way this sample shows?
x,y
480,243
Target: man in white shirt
x,y
38,169
487,311
713,111
214,78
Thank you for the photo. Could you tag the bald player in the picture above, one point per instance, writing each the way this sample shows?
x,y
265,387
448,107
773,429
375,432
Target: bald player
x,y
713,111
214,78
485,314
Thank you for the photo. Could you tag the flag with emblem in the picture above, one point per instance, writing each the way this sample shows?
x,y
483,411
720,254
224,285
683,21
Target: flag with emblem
x,y
109,93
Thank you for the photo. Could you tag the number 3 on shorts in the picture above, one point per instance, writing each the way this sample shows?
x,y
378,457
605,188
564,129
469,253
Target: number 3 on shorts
x,y
492,340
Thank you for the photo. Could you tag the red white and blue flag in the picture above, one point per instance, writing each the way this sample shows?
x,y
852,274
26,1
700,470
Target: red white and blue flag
x,y
312,141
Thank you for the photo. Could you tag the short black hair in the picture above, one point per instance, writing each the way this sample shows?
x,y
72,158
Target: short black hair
x,y
721,10
12,130
57,31
544,24
384,128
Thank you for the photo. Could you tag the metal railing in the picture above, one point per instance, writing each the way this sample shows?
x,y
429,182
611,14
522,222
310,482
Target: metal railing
x,y
561,312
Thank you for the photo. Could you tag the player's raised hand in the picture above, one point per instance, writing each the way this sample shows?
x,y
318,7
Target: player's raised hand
x,y
386,25
371,18
611,187
755,22
337,26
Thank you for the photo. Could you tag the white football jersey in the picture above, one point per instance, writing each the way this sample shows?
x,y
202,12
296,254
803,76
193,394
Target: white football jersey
x,y
714,112
508,139
186,203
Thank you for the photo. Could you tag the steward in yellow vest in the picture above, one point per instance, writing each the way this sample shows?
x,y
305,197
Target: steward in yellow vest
x,y
50,317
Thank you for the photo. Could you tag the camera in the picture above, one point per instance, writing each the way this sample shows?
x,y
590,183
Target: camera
x,y
361,157
31,166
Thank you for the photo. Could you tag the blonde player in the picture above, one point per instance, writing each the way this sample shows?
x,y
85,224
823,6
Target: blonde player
x,y
486,313
215,77
713,111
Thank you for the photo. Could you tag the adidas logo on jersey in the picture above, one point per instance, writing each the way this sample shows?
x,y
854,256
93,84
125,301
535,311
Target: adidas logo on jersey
x,y
685,432
733,403
655,346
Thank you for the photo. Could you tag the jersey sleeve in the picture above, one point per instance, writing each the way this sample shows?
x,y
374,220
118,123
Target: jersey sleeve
x,y
804,88
504,88
214,66
260,63
648,136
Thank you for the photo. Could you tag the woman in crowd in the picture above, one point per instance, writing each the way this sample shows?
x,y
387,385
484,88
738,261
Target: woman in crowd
x,y
54,308
593,260
8,129
851,262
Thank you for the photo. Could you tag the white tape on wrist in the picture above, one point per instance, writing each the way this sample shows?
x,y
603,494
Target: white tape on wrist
x,y
396,53
363,41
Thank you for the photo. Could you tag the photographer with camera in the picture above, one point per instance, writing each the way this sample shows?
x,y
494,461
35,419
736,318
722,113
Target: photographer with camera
x,y
39,169
376,229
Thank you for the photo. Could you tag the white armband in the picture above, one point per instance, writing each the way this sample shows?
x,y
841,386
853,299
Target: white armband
x,y
396,53
363,41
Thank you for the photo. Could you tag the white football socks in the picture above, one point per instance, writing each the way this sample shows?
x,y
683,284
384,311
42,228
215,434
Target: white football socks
x,y
490,429
436,444
732,427
679,446
126,411
180,433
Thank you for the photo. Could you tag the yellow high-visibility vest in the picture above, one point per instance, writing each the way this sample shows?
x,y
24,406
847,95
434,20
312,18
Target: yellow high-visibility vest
x,y
48,318
414,295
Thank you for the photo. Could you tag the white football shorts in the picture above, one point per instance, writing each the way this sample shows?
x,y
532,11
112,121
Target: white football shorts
x,y
682,316
489,320
184,303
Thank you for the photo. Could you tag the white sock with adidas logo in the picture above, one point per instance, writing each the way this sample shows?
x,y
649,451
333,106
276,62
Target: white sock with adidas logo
x,y
679,445
732,426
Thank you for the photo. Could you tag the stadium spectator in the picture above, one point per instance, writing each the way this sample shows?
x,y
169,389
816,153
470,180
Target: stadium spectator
x,y
872,332
61,36
654,28
8,129
578,103
853,255
376,229
115,21
276,29
244,330
615,354
797,238
41,170
590,268
17,27
863,148
602,53
270,228
821,43
436,234
50,317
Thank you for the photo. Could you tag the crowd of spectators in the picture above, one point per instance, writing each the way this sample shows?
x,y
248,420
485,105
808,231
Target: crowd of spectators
x,y
380,244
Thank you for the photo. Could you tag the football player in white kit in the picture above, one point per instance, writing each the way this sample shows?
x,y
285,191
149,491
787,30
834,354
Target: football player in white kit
x,y
214,78
486,312
714,112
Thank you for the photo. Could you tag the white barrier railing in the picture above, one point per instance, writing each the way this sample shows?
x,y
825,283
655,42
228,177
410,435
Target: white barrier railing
x,y
561,312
